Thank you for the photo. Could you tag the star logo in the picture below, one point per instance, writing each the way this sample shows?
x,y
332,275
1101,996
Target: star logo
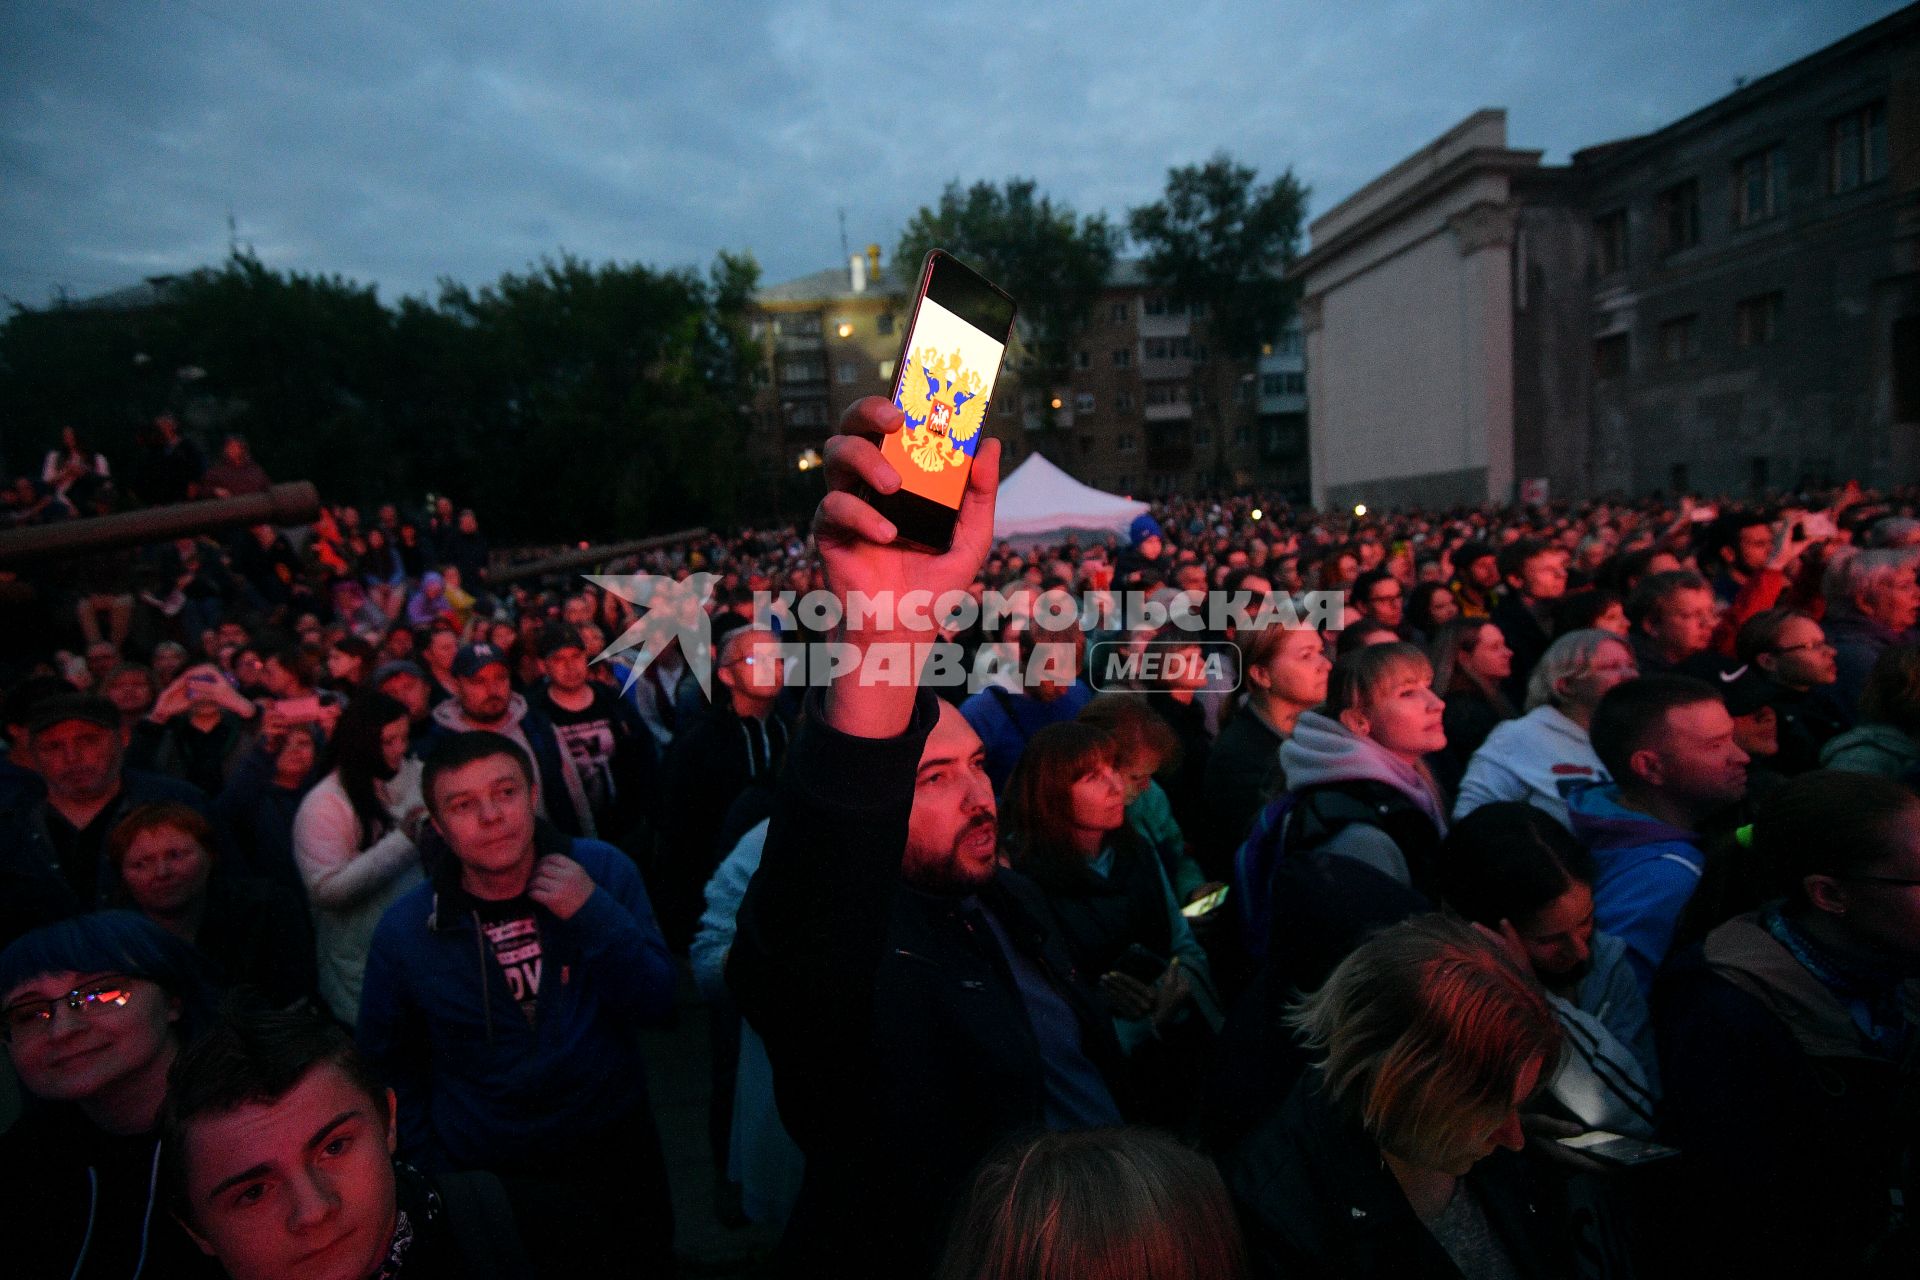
x,y
670,611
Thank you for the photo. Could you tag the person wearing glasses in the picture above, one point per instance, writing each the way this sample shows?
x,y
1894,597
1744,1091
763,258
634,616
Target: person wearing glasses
x,y
95,1010
1792,651
1788,1041
1379,597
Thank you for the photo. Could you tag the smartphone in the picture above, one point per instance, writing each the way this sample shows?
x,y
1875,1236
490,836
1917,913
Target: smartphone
x,y
1817,525
943,383
1205,905
299,710
1140,964
1613,1148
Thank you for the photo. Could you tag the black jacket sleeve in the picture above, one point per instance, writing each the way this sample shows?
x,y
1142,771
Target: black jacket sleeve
x,y
813,926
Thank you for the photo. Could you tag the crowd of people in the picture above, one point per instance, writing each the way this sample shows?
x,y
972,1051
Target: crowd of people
x,y
1554,911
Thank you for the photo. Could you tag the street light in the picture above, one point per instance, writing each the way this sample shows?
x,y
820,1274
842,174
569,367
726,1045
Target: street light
x,y
1257,513
1359,509
845,330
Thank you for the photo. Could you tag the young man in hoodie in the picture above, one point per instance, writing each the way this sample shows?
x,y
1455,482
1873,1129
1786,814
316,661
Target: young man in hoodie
x,y
484,699
501,1002
1668,743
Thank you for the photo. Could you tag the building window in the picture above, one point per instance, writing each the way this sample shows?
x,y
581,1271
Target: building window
x,y
807,413
1678,208
1610,242
883,323
1119,312
1679,339
805,324
1123,402
1203,437
1610,356
1199,353
803,371
1243,434
1759,182
1198,310
1156,348
1155,305
1200,394
886,370
1083,359
1123,358
1289,344
1857,148
1167,393
1083,403
1124,442
1757,319
848,373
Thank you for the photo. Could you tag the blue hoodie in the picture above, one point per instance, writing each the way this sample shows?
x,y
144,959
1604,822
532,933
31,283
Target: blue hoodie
x,y
478,1084
1647,873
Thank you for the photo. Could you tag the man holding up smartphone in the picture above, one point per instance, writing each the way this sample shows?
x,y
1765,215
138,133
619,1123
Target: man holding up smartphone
x,y
914,1007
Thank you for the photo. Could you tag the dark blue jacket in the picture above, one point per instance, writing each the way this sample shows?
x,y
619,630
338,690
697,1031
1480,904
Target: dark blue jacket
x,y
480,1086
33,889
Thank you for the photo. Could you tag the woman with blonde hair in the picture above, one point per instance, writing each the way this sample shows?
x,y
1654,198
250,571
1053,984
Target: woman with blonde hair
x,y
1096,1204
1357,777
1394,1156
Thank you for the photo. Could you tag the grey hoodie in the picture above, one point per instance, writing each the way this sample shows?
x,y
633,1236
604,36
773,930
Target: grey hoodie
x,y
1323,750
450,718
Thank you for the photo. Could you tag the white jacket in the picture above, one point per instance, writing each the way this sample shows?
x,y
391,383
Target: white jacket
x,y
1538,758
348,887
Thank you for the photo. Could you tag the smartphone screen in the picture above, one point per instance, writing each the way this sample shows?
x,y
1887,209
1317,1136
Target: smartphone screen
x,y
1616,1149
943,383
1203,905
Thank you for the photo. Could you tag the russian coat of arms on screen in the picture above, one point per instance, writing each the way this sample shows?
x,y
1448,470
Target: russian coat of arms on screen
x,y
941,399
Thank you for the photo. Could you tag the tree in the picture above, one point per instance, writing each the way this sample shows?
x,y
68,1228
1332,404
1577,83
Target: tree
x,y
1220,239
1052,262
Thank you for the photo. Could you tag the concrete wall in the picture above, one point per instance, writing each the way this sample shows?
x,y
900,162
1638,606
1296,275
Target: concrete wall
x,y
1410,327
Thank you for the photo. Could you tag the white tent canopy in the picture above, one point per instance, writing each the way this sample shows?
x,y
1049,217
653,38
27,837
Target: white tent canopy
x,y
1041,503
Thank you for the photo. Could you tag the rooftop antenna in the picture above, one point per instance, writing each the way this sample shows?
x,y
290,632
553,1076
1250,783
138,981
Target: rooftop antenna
x,y
845,252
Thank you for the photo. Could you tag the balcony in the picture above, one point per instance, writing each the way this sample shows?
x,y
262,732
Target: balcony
x,y
1180,412
1175,368
1165,326
799,342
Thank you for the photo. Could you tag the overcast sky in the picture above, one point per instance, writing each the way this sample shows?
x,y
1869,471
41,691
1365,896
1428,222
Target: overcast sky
x,y
402,143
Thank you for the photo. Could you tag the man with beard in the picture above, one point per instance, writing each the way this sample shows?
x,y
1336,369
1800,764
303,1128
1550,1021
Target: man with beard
x,y
915,1010
484,699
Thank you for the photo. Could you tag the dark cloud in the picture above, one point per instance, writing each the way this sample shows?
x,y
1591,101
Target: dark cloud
x,y
403,143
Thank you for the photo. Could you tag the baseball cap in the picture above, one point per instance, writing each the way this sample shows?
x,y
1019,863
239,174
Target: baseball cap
x,y
555,638
475,658
75,706
396,667
1744,688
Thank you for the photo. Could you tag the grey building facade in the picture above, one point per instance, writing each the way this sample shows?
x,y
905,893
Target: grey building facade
x,y
1754,282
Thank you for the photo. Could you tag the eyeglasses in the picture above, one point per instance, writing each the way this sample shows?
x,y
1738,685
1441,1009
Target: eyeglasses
x,y
37,1015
